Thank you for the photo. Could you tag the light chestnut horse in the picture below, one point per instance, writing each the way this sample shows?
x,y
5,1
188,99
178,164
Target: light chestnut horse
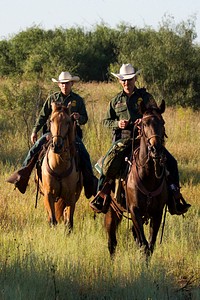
x,y
61,177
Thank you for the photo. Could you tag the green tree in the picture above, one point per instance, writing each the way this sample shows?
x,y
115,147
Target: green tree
x,y
7,63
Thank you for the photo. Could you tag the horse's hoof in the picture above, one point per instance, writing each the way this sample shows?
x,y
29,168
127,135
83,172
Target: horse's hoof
x,y
53,223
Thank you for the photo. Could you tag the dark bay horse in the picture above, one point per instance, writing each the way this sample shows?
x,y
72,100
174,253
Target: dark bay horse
x,y
145,187
61,178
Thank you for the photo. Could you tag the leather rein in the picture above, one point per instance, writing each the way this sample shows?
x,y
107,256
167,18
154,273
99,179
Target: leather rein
x,y
68,171
135,166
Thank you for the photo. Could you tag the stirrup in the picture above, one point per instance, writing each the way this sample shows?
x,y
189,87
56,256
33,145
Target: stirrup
x,y
100,203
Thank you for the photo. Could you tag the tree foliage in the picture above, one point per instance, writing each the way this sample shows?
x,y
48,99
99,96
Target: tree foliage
x,y
169,57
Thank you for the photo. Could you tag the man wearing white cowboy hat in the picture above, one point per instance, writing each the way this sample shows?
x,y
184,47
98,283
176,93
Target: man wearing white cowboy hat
x,y
66,77
120,117
126,72
65,96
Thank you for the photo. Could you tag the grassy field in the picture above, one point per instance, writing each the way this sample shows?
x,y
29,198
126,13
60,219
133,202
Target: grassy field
x,y
38,262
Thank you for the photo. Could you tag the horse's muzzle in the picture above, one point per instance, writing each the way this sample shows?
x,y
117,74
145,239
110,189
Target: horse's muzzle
x,y
57,147
155,151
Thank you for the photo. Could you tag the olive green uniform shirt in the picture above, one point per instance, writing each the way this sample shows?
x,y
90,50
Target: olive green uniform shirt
x,y
77,105
123,107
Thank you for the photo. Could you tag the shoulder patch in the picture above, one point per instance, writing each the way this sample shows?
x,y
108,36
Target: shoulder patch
x,y
139,100
73,103
119,104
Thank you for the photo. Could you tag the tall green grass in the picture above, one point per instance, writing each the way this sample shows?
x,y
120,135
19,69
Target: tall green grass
x,y
39,262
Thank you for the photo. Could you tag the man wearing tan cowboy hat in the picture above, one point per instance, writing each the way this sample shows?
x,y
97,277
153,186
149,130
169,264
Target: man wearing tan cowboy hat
x,y
120,117
65,96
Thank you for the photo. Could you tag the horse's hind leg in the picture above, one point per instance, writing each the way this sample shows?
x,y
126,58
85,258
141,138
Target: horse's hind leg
x,y
111,222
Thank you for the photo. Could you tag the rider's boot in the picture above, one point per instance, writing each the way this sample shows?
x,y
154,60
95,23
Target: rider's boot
x,y
177,204
102,200
21,177
90,183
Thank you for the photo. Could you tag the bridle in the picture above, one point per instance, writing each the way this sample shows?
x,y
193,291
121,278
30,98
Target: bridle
x,y
62,148
155,154
153,135
62,143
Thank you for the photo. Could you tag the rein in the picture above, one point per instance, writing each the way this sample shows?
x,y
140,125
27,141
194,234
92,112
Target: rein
x,y
139,125
136,164
143,189
62,138
119,210
68,171
139,164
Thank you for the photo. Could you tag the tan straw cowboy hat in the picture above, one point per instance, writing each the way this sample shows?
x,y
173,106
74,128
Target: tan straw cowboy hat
x,y
66,77
126,72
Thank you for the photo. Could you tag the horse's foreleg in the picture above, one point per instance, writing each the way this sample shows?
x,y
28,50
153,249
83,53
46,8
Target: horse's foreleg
x,y
69,217
154,228
59,208
49,205
111,222
134,233
138,229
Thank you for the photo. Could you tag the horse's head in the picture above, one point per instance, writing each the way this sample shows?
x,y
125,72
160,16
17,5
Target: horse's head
x,y
61,127
152,128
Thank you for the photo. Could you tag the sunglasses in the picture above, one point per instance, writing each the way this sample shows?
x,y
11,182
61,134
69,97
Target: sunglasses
x,y
63,83
127,79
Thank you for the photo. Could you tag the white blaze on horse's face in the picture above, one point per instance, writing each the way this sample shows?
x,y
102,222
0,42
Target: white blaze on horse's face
x,y
59,126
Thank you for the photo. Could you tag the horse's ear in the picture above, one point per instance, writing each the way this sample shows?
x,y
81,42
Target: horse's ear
x,y
56,106
142,107
162,107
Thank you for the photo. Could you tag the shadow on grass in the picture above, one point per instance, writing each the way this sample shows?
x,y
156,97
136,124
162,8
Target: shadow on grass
x,y
25,282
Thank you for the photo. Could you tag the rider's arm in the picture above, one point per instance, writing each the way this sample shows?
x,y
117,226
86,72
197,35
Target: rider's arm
x,y
111,119
43,116
78,107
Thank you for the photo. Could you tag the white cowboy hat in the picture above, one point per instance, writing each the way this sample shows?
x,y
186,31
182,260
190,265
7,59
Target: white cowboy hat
x,y
126,72
66,77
